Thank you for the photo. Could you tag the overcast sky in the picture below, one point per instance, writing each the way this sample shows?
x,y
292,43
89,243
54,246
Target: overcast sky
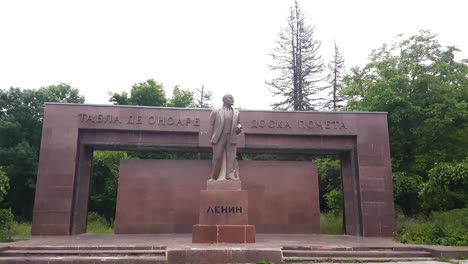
x,y
101,46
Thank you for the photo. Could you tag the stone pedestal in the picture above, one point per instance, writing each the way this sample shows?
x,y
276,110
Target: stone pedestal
x,y
223,214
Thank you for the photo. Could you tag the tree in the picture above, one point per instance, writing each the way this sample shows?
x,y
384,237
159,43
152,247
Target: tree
x,y
119,99
299,63
21,114
424,90
446,186
202,97
149,93
103,195
181,98
335,78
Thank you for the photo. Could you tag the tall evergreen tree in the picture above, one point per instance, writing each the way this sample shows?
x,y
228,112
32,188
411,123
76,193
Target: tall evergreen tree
x,y
335,78
300,65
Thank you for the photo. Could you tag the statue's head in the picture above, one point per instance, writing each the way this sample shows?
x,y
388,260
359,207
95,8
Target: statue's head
x,y
228,99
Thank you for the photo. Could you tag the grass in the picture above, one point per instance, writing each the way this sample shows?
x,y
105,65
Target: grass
x,y
98,225
448,228
331,224
22,229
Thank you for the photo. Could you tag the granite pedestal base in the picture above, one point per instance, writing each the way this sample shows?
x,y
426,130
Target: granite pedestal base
x,y
223,234
223,215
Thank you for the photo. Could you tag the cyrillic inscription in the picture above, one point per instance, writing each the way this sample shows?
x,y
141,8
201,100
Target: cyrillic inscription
x,y
139,120
305,124
222,209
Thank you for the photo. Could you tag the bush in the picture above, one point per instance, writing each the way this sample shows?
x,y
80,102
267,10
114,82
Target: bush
x,y
446,187
448,228
334,201
329,178
7,220
406,187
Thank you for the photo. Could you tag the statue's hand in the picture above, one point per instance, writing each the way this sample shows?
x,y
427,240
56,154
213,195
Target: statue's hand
x,y
238,129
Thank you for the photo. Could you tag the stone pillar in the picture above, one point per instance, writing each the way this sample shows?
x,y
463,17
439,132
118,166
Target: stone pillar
x,y
223,214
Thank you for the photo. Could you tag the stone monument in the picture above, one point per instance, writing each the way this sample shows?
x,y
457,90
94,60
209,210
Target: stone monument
x,y
223,216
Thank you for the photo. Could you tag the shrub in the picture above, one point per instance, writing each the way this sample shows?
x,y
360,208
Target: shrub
x,y
448,228
406,187
6,225
446,187
334,200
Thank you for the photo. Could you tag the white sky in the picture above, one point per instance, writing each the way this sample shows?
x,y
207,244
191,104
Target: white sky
x,y
99,46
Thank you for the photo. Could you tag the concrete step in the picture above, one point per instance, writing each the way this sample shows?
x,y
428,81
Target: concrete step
x,y
46,247
355,254
89,252
83,260
352,260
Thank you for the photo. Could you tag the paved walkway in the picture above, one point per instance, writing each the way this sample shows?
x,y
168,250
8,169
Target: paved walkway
x,y
185,241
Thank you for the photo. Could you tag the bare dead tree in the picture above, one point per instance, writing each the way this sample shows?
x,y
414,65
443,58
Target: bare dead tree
x,y
298,60
202,97
335,79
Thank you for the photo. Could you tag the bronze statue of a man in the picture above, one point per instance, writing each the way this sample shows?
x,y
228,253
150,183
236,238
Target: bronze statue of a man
x,y
224,128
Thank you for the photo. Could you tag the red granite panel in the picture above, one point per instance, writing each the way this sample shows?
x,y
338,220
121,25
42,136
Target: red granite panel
x,y
43,218
299,141
373,184
250,232
204,234
157,192
52,229
55,192
223,207
47,204
374,172
231,234
283,195
139,137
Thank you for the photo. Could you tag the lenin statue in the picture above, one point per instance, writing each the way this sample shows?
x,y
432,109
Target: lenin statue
x,y
224,127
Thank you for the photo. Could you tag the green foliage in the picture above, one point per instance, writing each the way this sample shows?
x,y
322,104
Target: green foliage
x,y
6,224
119,99
406,191
149,93
21,113
329,178
331,224
4,184
181,98
22,229
424,90
105,182
440,228
447,186
97,224
334,200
